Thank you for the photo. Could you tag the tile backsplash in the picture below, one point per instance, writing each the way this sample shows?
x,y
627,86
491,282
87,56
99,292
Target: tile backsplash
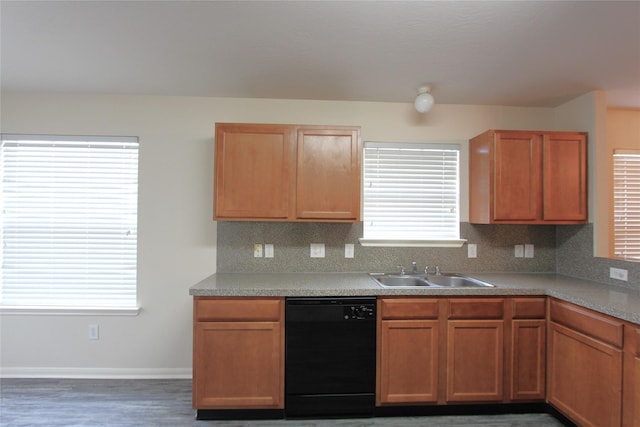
x,y
291,242
566,249
575,258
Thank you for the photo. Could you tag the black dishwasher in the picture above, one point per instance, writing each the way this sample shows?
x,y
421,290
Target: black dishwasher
x,y
330,359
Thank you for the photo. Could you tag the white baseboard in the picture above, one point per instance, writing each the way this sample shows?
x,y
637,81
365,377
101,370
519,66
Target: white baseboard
x,y
101,373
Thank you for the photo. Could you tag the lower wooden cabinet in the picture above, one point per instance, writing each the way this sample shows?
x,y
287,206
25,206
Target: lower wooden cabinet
x,y
437,351
631,377
238,357
408,343
409,362
527,349
460,350
528,360
475,350
585,365
635,399
475,360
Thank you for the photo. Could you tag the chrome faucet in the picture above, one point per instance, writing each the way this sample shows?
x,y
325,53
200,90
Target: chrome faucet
x,y
436,270
414,267
401,268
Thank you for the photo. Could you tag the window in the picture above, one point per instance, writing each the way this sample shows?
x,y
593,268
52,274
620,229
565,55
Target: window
x,y
69,222
411,195
626,204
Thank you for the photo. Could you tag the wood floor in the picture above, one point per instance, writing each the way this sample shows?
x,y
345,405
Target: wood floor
x,y
142,403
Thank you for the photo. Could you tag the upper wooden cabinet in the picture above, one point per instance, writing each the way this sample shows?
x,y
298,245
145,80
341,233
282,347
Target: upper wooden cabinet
x,y
269,172
528,177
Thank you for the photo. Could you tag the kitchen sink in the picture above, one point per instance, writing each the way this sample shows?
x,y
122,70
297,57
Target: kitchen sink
x,y
453,280
393,280
445,280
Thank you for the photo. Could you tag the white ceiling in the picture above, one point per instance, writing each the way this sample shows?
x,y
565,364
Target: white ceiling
x,y
515,53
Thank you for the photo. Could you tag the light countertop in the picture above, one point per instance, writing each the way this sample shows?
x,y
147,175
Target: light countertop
x,y
617,301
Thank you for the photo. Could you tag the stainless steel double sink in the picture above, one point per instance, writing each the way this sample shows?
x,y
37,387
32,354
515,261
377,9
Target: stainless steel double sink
x,y
444,280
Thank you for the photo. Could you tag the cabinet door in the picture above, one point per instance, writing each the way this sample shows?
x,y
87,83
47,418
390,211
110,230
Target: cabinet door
x,y
408,362
238,365
528,359
636,391
584,378
328,174
253,176
631,381
516,181
565,177
475,360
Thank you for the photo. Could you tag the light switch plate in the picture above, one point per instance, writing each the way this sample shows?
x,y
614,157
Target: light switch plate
x,y
317,250
472,250
349,249
268,250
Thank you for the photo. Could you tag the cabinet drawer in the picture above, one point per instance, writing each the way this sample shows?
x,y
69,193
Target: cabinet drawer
x,y
528,308
409,308
476,308
587,322
238,309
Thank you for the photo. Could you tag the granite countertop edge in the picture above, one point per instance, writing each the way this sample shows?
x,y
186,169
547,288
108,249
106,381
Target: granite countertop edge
x,y
617,301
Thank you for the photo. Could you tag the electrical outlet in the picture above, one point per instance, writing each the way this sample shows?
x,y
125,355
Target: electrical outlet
x,y
317,250
257,250
518,251
528,251
472,250
349,249
268,250
618,274
94,332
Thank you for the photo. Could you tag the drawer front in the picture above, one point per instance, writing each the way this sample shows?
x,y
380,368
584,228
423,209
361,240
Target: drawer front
x,y
588,322
408,308
238,309
528,308
476,308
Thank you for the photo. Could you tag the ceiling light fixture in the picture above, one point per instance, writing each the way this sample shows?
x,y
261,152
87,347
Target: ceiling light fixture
x,y
424,100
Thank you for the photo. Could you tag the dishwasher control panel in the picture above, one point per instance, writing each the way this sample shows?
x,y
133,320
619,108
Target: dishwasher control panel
x,y
359,312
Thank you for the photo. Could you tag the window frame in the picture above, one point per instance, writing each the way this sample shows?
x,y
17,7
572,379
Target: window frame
x,y
635,187
420,242
130,305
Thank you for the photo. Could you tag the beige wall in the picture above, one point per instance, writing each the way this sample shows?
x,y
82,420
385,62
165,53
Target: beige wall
x,y
588,113
623,129
177,238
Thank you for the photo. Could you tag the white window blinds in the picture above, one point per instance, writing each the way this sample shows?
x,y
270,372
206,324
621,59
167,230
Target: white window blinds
x,y
69,222
626,204
411,192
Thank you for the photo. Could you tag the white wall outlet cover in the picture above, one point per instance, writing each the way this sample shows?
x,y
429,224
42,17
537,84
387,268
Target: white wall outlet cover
x,y
317,250
472,250
268,250
528,251
94,332
518,251
619,274
349,250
